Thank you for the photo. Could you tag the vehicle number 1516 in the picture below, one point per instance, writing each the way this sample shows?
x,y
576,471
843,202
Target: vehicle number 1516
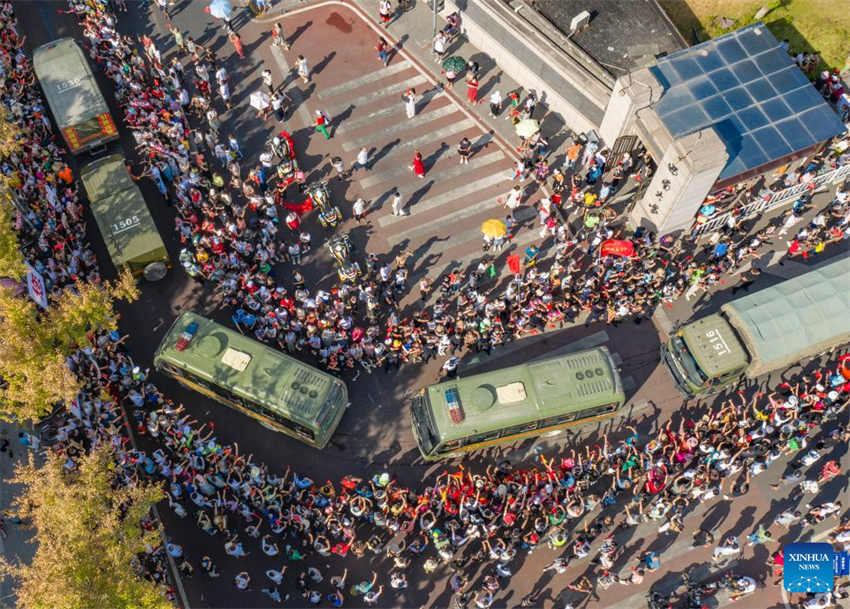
x,y
717,342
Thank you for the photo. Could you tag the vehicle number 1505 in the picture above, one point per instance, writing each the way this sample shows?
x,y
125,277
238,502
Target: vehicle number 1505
x,y
717,342
125,224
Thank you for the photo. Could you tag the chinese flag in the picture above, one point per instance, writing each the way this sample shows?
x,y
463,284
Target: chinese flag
x,y
513,263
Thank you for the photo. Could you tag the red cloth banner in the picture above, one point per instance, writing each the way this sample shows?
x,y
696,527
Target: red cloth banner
x,y
513,263
617,247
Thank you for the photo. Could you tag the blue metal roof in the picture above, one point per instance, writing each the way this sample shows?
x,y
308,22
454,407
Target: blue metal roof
x,y
747,87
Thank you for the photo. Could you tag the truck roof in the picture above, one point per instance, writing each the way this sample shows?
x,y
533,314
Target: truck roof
x,y
68,82
714,345
278,381
795,319
534,390
121,213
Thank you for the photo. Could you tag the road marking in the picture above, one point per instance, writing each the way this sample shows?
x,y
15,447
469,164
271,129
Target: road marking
x,y
467,211
430,139
406,124
521,215
350,85
447,197
294,92
472,235
360,121
376,177
399,87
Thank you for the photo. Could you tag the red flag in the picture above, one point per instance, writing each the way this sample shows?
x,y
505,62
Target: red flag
x,y
513,263
617,247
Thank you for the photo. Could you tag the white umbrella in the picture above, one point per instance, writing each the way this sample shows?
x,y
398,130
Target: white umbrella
x,y
221,9
259,100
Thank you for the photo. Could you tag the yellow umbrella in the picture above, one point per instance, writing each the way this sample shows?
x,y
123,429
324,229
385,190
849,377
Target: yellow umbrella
x,y
494,228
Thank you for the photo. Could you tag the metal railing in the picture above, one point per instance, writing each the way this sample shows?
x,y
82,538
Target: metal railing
x,y
764,204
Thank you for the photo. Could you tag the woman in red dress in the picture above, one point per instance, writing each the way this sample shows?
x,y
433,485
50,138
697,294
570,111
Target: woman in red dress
x,y
418,166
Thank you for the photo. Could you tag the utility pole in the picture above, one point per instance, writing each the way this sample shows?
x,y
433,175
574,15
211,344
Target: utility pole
x,y
434,6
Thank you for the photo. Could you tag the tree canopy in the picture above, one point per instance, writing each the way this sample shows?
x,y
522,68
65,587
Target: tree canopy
x,y
88,536
34,344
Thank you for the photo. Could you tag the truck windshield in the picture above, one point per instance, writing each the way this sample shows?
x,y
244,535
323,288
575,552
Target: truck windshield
x,y
689,364
422,420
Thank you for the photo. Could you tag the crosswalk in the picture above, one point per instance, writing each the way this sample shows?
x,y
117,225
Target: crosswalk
x,y
446,208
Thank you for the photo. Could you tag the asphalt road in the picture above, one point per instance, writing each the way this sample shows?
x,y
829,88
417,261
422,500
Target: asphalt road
x,y
374,434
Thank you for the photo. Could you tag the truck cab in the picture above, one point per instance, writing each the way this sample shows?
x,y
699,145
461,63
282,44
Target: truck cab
x,y
704,356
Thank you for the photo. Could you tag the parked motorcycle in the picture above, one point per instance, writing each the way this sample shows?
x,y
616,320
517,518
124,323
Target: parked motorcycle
x,y
329,214
341,249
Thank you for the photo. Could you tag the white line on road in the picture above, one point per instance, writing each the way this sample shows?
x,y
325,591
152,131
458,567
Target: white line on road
x,y
399,87
406,124
447,197
356,83
376,177
362,121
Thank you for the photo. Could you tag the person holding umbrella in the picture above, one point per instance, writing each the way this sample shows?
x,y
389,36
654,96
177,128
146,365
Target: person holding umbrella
x,y
452,67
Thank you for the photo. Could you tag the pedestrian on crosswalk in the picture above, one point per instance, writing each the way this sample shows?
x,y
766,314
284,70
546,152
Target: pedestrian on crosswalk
x,y
418,166
359,209
322,122
464,148
237,44
398,205
362,160
279,37
303,69
339,166
382,49
409,99
268,79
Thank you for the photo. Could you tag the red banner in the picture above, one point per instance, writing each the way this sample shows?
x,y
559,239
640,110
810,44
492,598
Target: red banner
x,y
617,247
513,263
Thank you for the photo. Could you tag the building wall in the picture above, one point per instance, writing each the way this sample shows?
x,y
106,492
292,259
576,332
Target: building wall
x,y
698,159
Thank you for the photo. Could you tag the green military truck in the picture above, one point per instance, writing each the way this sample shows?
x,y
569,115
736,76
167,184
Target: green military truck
x,y
765,331
123,218
73,95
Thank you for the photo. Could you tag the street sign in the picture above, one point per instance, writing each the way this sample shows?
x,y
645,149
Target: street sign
x,y
36,287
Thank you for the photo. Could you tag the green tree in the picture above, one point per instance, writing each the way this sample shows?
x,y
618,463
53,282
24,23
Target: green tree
x,y
11,263
34,344
88,534
10,135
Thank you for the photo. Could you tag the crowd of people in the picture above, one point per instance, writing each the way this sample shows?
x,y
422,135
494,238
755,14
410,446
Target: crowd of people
x,y
461,520
47,213
229,211
579,504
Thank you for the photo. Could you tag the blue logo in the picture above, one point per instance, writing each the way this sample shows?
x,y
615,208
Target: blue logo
x,y
808,567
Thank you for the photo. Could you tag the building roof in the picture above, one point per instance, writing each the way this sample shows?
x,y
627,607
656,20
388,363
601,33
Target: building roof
x,y
623,36
796,318
747,87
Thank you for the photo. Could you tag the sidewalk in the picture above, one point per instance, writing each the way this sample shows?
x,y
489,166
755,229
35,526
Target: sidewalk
x,y
17,546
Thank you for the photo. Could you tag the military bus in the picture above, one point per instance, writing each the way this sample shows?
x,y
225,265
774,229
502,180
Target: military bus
x,y
764,331
513,403
73,95
277,390
123,218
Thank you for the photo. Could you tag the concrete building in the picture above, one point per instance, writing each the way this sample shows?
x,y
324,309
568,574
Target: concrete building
x,y
712,115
